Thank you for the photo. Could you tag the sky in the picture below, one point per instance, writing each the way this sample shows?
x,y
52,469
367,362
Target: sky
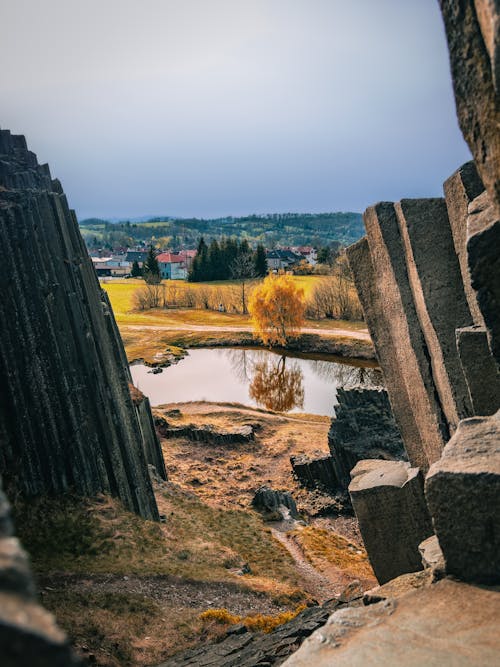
x,y
212,108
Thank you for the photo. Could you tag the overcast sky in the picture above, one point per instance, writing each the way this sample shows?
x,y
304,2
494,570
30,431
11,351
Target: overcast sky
x,y
220,107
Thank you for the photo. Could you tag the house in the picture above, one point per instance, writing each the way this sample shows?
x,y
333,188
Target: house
x,y
308,253
138,256
173,266
282,259
116,266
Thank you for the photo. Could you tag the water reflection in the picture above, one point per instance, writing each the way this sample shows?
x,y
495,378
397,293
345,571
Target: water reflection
x,y
276,386
347,376
255,377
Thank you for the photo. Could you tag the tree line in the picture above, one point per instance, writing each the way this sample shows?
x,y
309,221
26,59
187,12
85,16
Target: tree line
x,y
229,259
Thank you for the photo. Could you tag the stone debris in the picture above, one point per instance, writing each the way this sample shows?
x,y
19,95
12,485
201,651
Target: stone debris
x,y
432,556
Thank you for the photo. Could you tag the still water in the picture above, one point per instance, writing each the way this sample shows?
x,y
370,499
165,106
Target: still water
x,y
260,378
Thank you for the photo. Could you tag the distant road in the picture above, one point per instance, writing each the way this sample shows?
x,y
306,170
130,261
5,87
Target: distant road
x,y
360,334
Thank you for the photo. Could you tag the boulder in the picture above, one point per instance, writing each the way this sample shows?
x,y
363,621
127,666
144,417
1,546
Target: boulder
x,y
463,494
275,503
388,499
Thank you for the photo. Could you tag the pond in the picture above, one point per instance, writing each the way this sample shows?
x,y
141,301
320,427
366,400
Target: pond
x,y
261,378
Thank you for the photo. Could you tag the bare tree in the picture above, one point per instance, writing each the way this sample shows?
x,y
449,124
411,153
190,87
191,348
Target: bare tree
x,y
242,268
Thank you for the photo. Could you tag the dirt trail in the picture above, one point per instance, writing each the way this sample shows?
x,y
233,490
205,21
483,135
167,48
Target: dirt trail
x,y
317,584
361,334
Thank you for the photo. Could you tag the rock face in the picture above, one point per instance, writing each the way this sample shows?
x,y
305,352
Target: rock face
x,y
275,502
481,372
450,624
67,420
388,498
28,633
483,248
463,493
472,30
381,278
363,428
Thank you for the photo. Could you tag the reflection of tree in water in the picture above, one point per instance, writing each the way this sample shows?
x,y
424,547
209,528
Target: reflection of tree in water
x,y
347,376
276,387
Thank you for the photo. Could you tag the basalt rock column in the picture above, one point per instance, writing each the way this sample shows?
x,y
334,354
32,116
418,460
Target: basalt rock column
x,y
463,494
473,32
439,297
381,278
388,498
483,248
67,421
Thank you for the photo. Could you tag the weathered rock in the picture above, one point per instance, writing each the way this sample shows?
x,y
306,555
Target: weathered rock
x,y
269,501
388,499
432,556
463,494
481,372
248,649
483,247
402,585
472,29
363,428
462,187
439,297
209,434
67,420
448,624
381,279
318,472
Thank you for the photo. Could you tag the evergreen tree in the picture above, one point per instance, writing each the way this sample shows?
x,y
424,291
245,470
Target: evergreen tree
x,y
261,268
151,268
136,271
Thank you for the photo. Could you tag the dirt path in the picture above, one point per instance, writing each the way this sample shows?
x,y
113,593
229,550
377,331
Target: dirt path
x,y
317,584
361,334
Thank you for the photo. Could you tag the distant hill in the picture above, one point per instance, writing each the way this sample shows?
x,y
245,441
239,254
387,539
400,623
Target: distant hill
x,y
272,229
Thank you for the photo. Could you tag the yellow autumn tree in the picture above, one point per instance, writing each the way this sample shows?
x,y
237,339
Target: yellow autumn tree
x,y
277,309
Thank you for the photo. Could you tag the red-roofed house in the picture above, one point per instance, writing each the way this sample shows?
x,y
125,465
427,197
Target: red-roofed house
x,y
174,266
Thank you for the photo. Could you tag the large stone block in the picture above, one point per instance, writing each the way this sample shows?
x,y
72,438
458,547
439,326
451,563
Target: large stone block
x,y
388,498
483,248
472,29
480,370
381,279
439,297
463,494
448,624
462,187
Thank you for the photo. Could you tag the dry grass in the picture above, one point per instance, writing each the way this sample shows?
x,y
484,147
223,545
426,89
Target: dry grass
x,y
254,622
329,551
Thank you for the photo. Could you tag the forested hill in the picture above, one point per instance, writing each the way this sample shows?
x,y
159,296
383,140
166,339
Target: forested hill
x,y
292,229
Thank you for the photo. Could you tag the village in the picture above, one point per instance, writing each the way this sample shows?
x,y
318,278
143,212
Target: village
x,y
176,265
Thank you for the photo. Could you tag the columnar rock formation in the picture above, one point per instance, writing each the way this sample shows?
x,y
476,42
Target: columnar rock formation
x,y
67,420
363,428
